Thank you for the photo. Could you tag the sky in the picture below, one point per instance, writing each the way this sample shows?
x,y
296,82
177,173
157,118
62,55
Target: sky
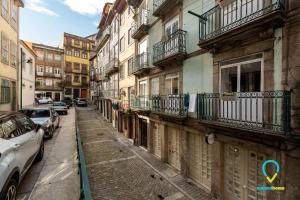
x,y
45,21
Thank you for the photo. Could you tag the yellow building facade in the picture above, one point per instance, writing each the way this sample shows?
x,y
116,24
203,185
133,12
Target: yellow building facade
x,y
76,57
9,62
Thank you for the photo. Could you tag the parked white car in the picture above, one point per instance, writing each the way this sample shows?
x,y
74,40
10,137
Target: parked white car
x,y
45,100
60,107
21,143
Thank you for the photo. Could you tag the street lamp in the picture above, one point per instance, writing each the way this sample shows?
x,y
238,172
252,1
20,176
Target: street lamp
x,y
21,76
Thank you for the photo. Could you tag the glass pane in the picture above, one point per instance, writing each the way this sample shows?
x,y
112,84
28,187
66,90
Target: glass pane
x,y
251,77
175,88
229,79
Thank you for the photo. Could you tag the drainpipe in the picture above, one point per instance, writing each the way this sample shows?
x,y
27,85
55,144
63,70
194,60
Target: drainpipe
x,y
21,80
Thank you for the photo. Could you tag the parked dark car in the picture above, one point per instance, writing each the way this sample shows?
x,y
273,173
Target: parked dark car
x,y
80,102
68,101
60,107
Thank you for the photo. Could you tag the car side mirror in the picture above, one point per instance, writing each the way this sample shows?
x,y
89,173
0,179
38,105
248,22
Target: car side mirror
x,y
37,128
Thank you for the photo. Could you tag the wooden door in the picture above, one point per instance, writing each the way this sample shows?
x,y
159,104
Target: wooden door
x,y
156,139
173,147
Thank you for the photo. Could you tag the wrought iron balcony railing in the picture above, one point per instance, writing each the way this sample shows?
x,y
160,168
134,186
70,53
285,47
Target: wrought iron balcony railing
x,y
141,26
251,110
103,38
174,48
222,19
112,66
109,93
140,64
173,105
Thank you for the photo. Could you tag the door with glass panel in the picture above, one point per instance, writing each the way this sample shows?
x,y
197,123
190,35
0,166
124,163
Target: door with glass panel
x,y
241,98
171,43
143,58
142,94
172,102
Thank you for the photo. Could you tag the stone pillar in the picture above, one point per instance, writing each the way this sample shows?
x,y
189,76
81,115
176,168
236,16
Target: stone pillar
x,y
217,170
183,152
164,142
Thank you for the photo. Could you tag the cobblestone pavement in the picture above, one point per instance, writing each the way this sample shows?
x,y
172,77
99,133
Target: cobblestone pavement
x,y
56,176
119,170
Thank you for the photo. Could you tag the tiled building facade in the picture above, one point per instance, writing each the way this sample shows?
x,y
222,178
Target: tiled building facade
x,y
216,89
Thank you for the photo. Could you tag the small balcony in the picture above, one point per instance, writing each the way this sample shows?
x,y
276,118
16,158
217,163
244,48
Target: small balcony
x,y
134,3
164,105
235,21
267,112
112,67
141,64
141,26
103,38
173,49
163,7
100,77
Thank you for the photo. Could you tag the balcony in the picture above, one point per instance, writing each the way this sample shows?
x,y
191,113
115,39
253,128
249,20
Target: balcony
x,y
112,67
141,64
134,3
84,72
141,26
111,94
164,105
267,112
103,39
235,21
173,49
163,7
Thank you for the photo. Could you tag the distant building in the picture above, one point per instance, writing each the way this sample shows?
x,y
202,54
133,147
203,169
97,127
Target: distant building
x,y
9,23
49,71
77,53
27,75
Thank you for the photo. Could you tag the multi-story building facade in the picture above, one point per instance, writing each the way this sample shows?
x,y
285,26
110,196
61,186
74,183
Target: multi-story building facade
x,y
26,77
216,90
9,23
49,71
76,65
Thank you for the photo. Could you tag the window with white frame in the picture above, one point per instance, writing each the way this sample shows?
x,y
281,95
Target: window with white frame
x,y
69,52
14,15
172,26
155,86
56,71
49,69
57,57
4,49
13,54
49,82
40,68
4,10
40,55
76,53
49,56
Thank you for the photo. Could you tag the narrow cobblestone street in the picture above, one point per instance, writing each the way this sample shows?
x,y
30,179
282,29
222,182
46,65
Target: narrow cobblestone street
x,y
119,170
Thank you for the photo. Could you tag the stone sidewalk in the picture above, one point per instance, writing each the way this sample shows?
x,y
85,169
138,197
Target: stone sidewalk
x,y
119,170
58,178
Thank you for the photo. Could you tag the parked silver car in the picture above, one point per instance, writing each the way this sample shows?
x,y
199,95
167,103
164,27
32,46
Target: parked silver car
x,y
60,107
48,118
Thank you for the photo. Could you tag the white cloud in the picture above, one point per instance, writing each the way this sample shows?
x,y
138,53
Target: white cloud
x,y
86,7
40,7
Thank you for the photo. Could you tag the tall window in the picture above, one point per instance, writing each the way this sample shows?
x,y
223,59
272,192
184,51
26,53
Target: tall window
x,y
172,84
84,55
49,82
40,55
14,16
40,68
76,79
57,57
122,44
4,49
77,42
154,86
122,72
69,52
84,68
49,56
83,79
76,66
130,66
5,91
49,69
57,71
76,53
13,54
68,78
4,11
130,40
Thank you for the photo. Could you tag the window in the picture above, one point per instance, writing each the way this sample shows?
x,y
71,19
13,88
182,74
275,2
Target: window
x,y
130,40
49,69
5,49
49,56
129,10
77,42
76,53
172,26
49,82
172,84
155,86
76,79
40,68
122,18
4,11
69,78
13,54
9,129
84,79
84,55
40,55
130,65
69,52
68,91
57,71
77,66
14,16
83,68
57,57
5,91
122,72
122,44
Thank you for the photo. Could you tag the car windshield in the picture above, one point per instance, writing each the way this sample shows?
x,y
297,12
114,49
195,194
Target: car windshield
x,y
37,113
59,104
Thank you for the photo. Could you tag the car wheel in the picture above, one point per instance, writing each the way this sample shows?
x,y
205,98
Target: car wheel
x,y
40,154
10,192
